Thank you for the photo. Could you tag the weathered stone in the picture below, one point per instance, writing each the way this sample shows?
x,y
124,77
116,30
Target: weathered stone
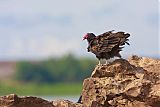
x,y
65,103
123,84
149,64
15,101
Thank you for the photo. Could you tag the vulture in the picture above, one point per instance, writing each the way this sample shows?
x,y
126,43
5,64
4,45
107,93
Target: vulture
x,y
106,45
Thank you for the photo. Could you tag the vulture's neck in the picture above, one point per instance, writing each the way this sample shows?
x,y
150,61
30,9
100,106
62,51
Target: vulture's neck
x,y
90,38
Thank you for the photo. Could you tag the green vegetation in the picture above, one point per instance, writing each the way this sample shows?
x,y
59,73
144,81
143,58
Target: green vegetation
x,y
43,89
56,76
64,69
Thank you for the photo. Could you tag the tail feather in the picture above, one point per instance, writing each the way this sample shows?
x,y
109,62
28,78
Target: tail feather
x,y
124,39
127,43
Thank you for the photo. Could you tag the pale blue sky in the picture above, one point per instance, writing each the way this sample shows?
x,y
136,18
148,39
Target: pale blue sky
x,y
47,28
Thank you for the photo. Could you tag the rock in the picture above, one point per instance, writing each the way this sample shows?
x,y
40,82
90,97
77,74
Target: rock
x,y
149,64
65,103
13,100
122,83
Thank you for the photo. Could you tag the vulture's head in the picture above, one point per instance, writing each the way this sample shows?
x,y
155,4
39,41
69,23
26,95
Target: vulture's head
x,y
89,36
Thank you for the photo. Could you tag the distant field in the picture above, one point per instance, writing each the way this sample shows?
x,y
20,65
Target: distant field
x,y
41,89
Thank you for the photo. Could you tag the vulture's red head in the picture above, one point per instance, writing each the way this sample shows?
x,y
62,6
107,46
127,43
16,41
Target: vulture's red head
x,y
89,36
85,36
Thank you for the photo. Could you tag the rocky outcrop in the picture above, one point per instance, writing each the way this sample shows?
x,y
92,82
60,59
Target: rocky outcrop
x,y
122,83
149,64
13,100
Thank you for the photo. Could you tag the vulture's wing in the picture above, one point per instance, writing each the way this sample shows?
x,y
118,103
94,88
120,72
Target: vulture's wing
x,y
100,43
108,40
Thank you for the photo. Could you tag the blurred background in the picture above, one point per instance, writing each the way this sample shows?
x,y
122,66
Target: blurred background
x,y
41,47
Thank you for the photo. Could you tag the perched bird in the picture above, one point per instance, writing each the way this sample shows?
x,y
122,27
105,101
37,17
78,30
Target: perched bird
x,y
106,45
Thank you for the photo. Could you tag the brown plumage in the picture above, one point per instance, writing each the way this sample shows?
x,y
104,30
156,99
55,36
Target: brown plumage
x,y
106,45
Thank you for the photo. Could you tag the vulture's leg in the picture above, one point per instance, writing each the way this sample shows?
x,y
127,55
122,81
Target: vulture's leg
x,y
107,62
99,62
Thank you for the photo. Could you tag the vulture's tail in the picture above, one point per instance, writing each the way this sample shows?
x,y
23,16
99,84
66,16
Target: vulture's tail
x,y
123,38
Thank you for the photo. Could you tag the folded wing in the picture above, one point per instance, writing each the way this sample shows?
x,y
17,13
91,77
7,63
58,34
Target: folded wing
x,y
107,41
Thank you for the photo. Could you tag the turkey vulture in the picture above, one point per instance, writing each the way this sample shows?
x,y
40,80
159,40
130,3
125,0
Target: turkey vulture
x,y
106,45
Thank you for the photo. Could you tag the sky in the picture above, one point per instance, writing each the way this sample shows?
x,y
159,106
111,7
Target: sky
x,y
38,29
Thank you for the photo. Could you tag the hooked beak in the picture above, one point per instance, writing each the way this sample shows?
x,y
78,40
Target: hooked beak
x,y
83,38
